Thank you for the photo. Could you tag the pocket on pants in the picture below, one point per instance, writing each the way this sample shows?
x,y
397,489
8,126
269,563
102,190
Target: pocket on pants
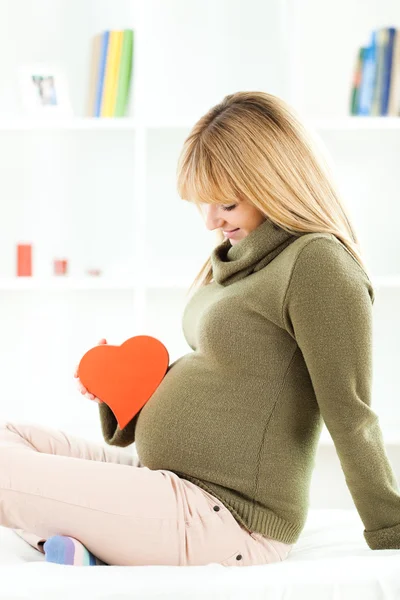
x,y
234,560
212,501
274,550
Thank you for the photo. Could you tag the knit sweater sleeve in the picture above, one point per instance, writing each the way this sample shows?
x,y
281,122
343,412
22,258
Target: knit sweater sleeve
x,y
112,434
328,310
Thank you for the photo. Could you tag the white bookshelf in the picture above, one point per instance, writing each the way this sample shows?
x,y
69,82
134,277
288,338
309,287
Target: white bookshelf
x,y
349,123
64,283
102,191
356,123
61,283
68,124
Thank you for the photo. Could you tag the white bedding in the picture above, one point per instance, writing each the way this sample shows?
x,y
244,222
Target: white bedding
x,y
331,561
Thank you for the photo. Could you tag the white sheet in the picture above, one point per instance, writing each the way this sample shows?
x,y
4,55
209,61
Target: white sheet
x,y
331,561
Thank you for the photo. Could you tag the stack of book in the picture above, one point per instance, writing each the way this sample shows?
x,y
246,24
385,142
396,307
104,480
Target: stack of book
x,y
110,73
376,78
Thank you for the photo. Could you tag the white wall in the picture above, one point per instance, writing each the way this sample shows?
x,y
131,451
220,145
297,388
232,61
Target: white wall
x,y
72,192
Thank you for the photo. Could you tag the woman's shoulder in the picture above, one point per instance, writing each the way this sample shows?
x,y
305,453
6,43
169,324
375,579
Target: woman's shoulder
x,y
323,256
325,240
322,246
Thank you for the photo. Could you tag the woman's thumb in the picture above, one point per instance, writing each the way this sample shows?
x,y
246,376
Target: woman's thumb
x,y
103,341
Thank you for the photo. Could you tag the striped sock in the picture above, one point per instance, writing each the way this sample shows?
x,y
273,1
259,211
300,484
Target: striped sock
x,y
66,550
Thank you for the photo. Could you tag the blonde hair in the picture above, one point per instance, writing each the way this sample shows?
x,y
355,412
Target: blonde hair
x,y
252,146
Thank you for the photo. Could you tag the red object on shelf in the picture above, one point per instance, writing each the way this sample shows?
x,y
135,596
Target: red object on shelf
x,y
93,272
24,260
60,266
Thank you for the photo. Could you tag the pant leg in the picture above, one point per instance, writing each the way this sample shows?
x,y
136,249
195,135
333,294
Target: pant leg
x,y
45,440
123,514
52,441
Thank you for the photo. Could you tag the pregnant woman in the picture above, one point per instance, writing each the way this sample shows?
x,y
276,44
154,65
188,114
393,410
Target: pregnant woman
x,y
280,330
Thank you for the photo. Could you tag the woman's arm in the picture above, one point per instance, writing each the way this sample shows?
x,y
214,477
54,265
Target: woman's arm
x,y
112,434
328,310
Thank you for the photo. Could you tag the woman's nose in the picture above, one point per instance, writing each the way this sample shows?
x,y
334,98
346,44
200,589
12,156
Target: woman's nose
x,y
212,220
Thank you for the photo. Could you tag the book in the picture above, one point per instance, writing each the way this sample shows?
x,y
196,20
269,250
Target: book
x,y
368,77
111,73
125,73
355,92
94,75
394,92
381,42
102,65
387,69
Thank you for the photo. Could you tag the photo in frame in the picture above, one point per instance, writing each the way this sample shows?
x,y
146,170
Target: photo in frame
x,y
44,91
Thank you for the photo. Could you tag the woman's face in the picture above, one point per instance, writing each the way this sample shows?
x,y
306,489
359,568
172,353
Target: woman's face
x,y
240,216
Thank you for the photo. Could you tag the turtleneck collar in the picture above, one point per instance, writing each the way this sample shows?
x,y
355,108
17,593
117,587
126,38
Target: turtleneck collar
x,y
250,254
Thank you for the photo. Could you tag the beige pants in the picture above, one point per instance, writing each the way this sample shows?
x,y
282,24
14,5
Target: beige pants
x,y
124,513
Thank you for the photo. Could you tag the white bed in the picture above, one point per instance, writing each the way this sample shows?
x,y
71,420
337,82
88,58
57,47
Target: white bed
x,y
331,561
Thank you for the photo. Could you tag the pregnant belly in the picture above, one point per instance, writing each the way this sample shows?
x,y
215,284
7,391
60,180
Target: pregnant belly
x,y
185,423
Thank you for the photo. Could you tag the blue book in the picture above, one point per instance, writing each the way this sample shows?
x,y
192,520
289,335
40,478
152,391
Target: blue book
x,y
368,78
102,68
387,68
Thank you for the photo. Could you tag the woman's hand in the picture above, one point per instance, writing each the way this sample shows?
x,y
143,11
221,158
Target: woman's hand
x,y
82,388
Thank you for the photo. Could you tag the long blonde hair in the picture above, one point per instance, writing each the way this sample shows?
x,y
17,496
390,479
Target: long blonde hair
x,y
252,146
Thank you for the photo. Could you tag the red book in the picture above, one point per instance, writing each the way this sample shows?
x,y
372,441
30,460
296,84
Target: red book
x,y
24,260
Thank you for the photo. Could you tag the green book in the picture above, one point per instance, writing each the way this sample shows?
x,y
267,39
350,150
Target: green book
x,y
125,74
355,92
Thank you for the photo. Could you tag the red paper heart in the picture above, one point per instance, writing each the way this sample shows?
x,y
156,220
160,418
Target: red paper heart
x,y
125,376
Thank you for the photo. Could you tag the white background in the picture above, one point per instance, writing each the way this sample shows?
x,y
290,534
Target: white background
x,y
105,197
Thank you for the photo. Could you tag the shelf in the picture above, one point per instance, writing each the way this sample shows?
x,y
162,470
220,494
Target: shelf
x,y
65,283
87,283
87,124
351,123
166,282
68,124
16,123
129,283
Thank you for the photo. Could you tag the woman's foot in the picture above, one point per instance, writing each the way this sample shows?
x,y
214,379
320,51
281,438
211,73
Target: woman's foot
x,y
65,550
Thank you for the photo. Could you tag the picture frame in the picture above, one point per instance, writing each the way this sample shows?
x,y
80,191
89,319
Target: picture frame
x,y
44,90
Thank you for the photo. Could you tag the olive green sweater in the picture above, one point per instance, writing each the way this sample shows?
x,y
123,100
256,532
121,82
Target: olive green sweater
x,y
281,340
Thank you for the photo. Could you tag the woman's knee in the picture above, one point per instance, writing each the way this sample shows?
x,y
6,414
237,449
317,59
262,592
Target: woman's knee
x,y
15,434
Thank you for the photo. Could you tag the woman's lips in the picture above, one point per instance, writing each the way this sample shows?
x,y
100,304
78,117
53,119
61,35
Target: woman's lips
x,y
231,233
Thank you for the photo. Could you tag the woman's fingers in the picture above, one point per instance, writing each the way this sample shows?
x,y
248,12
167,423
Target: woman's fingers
x,y
86,393
93,398
81,387
100,343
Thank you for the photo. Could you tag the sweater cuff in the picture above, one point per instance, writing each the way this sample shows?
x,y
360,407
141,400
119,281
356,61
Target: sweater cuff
x,y
112,434
383,539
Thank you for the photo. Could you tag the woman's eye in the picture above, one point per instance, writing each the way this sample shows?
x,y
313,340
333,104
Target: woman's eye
x,y
231,207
